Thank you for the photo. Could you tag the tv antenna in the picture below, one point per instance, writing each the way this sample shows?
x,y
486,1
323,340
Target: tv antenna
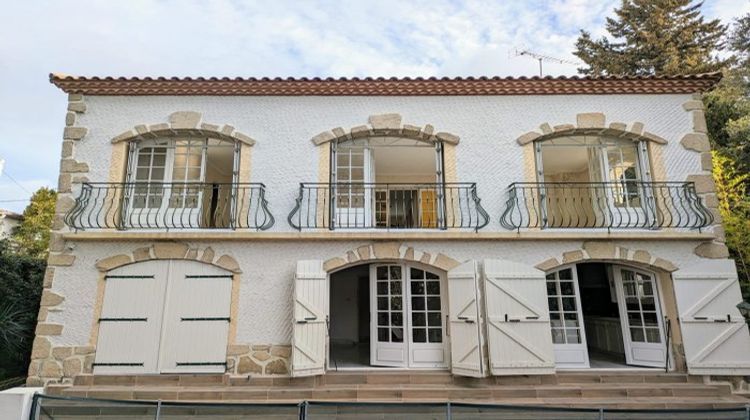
x,y
542,58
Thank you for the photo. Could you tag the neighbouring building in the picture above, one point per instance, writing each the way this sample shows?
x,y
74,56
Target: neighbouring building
x,y
8,222
484,227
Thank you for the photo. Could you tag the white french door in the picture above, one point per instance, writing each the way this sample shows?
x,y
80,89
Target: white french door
x,y
164,183
640,316
351,187
408,326
566,319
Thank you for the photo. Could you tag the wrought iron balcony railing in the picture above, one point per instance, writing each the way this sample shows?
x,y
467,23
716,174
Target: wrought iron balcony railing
x,y
610,205
388,206
176,205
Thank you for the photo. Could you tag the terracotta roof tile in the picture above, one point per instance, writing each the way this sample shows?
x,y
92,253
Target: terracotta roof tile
x,y
368,86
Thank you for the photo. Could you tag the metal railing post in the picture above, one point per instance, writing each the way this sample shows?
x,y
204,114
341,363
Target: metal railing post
x,y
158,410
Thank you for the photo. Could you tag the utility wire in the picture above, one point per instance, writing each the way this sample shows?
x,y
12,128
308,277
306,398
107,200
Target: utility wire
x,y
5,172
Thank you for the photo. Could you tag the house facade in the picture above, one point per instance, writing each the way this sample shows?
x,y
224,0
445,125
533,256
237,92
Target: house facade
x,y
295,227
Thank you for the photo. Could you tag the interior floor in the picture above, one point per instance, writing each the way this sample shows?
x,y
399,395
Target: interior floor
x,y
350,356
599,360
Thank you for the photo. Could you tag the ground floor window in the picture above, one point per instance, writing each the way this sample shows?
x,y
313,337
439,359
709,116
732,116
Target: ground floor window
x,y
605,316
390,315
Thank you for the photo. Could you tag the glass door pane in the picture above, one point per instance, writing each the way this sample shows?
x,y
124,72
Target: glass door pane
x,y
390,304
566,319
426,307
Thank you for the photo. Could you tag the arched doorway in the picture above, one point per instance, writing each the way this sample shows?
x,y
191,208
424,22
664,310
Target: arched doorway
x,y
605,315
388,314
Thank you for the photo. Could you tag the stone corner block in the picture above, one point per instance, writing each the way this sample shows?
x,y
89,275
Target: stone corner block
x,y
323,137
528,138
385,121
60,260
696,141
170,250
704,183
549,264
184,119
653,137
113,262
600,249
445,262
74,133
243,138
693,105
50,298
448,138
228,263
590,120
386,250
711,250
333,263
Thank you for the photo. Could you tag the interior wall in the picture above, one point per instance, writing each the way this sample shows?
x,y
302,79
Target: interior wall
x,y
344,310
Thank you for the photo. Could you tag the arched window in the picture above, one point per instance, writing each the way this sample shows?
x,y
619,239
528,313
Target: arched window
x,y
592,180
387,182
187,181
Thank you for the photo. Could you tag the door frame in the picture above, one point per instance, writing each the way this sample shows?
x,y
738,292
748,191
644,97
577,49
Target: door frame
x,y
407,306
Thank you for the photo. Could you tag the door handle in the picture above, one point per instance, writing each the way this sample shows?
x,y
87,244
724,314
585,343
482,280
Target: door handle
x,y
466,319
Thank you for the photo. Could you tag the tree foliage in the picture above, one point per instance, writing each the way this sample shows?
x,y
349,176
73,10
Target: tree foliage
x,y
31,237
661,37
653,37
21,279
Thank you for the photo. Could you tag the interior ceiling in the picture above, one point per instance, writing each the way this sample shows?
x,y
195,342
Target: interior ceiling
x,y
564,159
404,160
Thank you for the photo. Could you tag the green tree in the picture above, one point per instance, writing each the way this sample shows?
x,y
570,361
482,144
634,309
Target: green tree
x,y
734,207
654,37
21,278
31,237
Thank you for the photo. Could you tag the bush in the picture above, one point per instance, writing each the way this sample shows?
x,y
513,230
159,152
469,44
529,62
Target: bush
x,y
21,279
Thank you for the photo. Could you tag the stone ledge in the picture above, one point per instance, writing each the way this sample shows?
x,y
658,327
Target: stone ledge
x,y
536,235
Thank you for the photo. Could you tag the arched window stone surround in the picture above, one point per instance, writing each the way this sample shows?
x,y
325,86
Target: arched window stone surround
x,y
388,125
591,123
181,123
384,251
607,251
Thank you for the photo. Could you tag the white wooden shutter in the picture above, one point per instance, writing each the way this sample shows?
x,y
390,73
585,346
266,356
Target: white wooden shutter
x,y
715,335
196,321
518,330
465,323
130,321
309,333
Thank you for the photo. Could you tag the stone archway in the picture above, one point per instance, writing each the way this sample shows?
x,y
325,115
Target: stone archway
x,y
608,251
169,251
388,251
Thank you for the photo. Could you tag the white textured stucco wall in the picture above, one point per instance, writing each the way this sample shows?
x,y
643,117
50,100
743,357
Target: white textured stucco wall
x,y
268,269
488,126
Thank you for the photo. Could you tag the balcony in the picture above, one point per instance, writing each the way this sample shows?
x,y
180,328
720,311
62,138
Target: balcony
x,y
170,206
388,206
608,205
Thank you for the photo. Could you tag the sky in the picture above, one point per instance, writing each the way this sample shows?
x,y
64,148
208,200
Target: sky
x,y
263,38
